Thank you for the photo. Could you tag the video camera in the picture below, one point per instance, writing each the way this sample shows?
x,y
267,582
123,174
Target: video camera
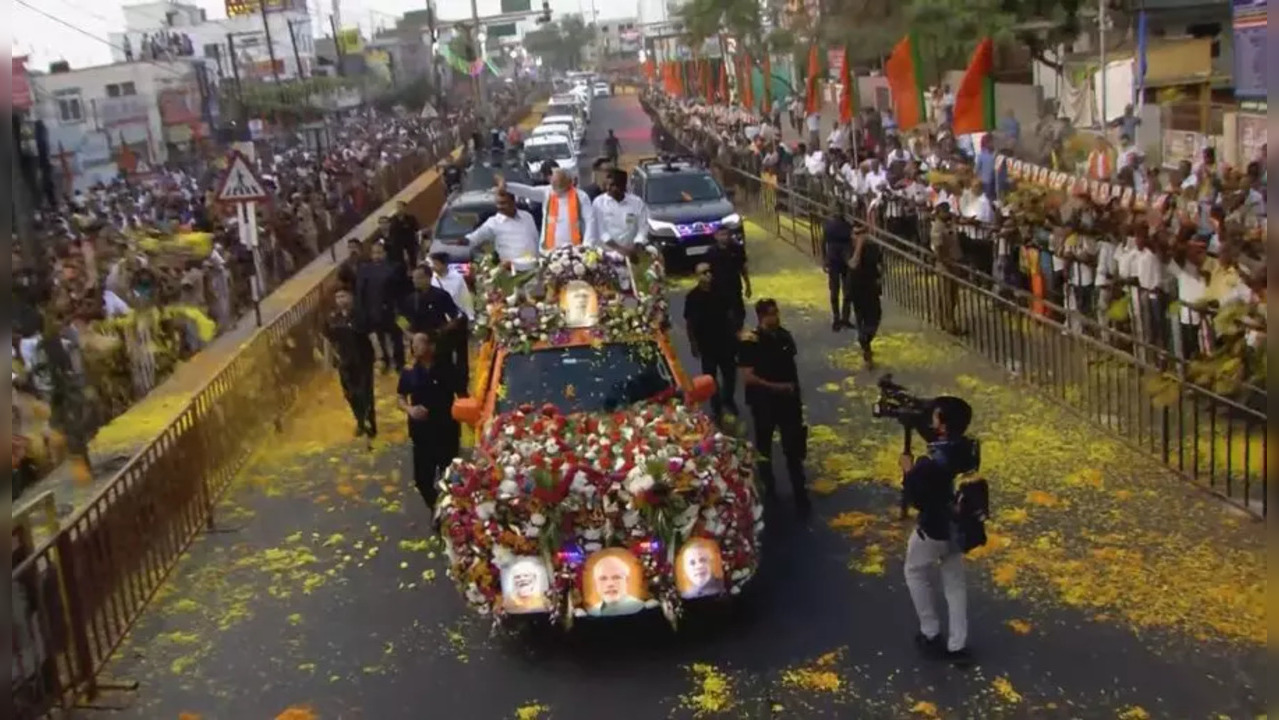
x,y
915,414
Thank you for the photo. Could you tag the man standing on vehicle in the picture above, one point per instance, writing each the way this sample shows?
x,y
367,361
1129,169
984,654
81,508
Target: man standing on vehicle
x,y
568,218
512,231
426,397
709,319
730,277
767,358
622,217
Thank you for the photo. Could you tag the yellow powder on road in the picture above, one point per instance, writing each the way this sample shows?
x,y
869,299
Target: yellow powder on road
x,y
712,691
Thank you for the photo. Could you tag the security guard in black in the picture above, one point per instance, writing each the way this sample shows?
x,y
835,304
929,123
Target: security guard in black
x,y
767,359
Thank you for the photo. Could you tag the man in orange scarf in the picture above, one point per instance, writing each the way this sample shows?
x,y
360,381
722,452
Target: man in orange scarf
x,y
568,218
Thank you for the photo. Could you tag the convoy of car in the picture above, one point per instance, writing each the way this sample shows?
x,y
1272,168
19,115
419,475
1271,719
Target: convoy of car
x,y
686,206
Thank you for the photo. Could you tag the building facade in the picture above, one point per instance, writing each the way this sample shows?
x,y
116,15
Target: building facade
x,y
130,115
234,46
616,37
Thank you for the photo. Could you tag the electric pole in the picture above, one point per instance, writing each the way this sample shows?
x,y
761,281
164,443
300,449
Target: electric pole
x,y
270,46
477,32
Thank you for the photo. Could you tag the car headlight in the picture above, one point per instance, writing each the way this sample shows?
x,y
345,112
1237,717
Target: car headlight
x,y
661,227
732,221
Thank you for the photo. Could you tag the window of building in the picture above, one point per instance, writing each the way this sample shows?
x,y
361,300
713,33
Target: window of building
x,y
70,108
123,89
212,50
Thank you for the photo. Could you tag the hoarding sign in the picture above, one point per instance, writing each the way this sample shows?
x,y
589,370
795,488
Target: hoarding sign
x,y
1250,48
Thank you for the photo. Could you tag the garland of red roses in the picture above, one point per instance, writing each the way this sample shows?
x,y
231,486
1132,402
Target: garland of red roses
x,y
546,489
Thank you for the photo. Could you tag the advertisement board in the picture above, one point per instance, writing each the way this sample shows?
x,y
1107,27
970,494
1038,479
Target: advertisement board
x,y
516,6
1250,48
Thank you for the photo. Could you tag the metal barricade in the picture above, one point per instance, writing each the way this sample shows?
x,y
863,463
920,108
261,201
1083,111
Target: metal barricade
x,y
1213,440
79,592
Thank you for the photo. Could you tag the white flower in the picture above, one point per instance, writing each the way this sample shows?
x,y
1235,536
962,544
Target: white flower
x,y
531,531
502,556
591,534
537,519
591,547
507,489
638,481
484,510
631,518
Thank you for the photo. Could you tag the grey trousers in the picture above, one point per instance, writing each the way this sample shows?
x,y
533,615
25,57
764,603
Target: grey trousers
x,y
922,556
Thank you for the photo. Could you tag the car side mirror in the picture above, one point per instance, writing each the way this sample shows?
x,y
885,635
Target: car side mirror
x,y
467,411
731,194
703,389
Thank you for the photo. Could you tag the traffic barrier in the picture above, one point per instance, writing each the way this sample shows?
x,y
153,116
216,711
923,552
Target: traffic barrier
x,y
78,593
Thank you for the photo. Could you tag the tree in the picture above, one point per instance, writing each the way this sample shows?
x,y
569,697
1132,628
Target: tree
x,y
560,43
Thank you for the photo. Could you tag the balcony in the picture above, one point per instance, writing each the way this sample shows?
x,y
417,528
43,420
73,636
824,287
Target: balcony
x,y
112,112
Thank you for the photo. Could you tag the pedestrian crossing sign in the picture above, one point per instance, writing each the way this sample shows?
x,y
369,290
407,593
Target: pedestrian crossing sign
x,y
240,184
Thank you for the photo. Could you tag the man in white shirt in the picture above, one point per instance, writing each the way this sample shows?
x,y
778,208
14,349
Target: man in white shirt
x,y
814,124
451,281
568,218
838,138
1193,337
622,218
512,231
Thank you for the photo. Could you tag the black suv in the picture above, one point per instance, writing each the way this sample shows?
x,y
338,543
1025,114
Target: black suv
x,y
686,205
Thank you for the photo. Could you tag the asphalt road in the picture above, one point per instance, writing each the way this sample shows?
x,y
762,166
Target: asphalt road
x,y
318,598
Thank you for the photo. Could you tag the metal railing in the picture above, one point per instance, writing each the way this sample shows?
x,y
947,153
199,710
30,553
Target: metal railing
x,y
1210,439
79,592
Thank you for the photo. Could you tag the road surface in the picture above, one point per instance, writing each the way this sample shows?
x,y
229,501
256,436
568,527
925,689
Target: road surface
x,y
1109,589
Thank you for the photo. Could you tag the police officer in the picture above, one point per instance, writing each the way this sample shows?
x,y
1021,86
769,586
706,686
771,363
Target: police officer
x,y
767,359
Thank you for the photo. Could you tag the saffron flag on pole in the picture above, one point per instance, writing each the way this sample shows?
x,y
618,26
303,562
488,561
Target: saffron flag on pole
x,y
747,83
847,99
975,99
723,81
902,71
812,100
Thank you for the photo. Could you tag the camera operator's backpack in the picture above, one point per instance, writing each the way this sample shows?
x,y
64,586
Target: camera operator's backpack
x,y
968,529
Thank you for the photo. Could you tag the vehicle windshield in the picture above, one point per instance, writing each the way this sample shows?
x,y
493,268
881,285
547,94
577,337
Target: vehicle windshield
x,y
681,188
586,378
553,110
549,151
557,120
457,222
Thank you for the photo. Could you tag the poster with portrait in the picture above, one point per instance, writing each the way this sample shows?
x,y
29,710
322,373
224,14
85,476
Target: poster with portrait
x,y
579,304
613,583
526,586
699,570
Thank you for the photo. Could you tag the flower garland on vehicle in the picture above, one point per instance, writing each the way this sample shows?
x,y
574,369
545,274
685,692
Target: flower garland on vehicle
x,y
522,308
563,487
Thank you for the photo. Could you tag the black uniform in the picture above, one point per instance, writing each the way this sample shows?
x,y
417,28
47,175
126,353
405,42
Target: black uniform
x,y
864,287
710,320
437,437
837,235
404,228
355,367
428,311
377,289
727,265
771,355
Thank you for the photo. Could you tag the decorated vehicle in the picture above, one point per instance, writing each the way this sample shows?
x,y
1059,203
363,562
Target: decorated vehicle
x,y
596,485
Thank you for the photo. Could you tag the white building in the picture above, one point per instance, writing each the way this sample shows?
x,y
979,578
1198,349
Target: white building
x,y
153,108
174,29
618,37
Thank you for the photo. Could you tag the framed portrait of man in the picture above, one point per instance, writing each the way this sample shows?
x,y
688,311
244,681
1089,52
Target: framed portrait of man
x,y
526,586
699,569
613,583
579,304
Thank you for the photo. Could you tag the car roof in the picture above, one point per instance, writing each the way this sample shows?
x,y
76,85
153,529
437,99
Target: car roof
x,y
675,168
552,119
472,198
547,138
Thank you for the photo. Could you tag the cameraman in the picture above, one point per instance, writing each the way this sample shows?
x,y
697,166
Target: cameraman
x,y
929,486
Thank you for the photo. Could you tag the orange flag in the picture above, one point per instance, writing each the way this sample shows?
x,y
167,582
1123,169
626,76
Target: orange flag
x,y
848,98
746,83
812,100
902,71
975,99
723,82
766,103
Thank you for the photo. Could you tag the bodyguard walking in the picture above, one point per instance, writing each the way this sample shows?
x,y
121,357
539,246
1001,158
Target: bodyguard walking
x,y
710,320
426,393
767,359
354,360
865,282
837,241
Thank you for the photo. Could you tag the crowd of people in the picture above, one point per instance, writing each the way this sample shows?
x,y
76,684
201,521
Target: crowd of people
x,y
137,274
1156,278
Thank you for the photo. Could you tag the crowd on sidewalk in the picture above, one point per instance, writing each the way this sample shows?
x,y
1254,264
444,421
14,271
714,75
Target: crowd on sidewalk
x,y
138,274
1159,277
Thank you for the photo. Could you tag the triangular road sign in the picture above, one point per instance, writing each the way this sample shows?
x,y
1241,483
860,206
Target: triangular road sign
x,y
240,184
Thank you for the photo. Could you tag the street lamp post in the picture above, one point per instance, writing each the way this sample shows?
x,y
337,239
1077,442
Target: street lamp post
x,y
477,42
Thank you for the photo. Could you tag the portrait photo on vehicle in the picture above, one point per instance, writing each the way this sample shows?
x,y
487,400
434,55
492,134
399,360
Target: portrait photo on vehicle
x,y
579,304
699,571
613,583
525,586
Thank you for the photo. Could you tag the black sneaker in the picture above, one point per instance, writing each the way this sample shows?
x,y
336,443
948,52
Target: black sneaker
x,y
836,325
935,645
959,658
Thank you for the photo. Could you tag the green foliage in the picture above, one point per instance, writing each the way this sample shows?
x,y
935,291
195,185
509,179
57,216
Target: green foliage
x,y
296,101
560,43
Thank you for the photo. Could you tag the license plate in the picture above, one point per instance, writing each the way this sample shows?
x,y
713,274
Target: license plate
x,y
699,250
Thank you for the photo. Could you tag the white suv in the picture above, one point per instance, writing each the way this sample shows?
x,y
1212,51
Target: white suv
x,y
601,90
